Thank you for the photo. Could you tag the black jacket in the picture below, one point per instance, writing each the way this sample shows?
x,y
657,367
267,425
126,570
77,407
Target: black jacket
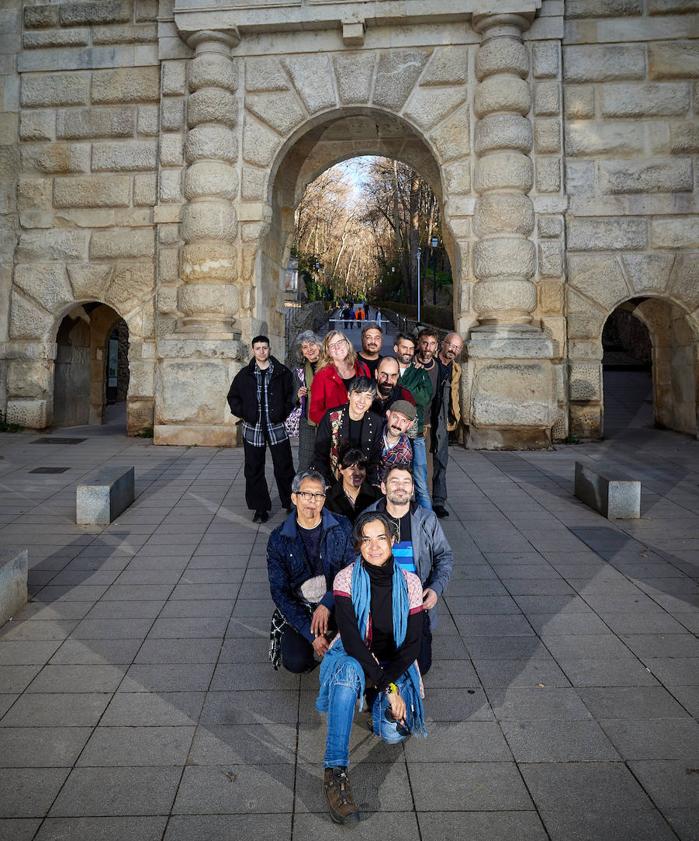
x,y
333,435
337,502
242,395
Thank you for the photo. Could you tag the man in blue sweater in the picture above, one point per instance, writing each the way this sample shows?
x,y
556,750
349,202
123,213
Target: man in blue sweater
x,y
304,555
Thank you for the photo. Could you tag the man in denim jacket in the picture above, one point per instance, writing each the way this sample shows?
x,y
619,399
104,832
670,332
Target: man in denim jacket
x,y
303,556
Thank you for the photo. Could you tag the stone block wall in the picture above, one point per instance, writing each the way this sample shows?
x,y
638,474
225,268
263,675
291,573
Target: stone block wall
x,y
631,93
88,128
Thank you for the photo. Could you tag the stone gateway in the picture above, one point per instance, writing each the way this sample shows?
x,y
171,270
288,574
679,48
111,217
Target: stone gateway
x,y
152,153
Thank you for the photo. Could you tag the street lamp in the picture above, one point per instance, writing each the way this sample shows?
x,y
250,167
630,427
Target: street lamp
x,y
419,253
434,243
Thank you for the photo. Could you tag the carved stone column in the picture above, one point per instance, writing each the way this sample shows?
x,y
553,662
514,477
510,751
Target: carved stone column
x,y
504,214
207,297
509,370
197,362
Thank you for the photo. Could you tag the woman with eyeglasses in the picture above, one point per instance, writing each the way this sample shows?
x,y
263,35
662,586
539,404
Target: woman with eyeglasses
x,y
378,609
337,368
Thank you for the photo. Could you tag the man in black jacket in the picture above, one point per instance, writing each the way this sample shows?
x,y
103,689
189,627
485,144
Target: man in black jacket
x,y
262,395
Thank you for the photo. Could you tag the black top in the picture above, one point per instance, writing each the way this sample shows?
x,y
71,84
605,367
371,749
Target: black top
x,y
242,396
311,539
444,375
433,373
371,364
338,502
392,661
355,432
348,381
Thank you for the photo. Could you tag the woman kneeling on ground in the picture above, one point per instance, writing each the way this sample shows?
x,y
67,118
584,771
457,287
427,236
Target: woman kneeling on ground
x,y
378,608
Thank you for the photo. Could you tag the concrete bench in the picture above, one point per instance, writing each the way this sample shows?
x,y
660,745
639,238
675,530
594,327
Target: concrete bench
x,y
100,498
615,496
14,566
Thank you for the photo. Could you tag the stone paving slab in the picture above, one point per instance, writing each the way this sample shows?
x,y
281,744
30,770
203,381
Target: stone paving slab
x,y
136,699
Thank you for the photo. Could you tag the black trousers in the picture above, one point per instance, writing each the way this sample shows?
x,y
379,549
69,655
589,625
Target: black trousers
x,y
297,652
256,490
424,658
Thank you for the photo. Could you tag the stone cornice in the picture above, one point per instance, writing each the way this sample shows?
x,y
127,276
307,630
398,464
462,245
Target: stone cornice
x,y
255,16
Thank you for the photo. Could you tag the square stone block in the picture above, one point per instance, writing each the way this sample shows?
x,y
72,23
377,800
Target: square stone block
x,y
13,583
100,499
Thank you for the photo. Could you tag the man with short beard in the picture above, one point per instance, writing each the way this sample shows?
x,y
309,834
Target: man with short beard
x,y
422,548
418,382
387,375
372,342
397,448
446,414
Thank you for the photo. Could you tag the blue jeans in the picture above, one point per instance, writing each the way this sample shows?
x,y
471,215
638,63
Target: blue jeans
x,y
343,697
422,495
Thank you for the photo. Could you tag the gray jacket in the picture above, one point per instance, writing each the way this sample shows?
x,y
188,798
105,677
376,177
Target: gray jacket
x,y
434,559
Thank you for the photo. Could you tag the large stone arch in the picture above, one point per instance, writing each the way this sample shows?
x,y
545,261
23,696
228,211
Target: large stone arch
x,y
662,290
334,137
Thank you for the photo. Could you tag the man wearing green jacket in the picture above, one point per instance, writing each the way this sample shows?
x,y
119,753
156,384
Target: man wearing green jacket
x,y
419,384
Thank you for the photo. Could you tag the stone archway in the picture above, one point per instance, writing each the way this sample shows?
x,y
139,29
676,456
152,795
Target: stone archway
x,y
340,136
662,292
82,359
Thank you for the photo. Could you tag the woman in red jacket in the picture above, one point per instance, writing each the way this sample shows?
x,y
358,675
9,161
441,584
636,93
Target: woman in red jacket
x,y
337,368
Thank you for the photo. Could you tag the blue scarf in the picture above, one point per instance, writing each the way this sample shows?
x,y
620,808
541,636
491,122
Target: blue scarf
x,y
409,682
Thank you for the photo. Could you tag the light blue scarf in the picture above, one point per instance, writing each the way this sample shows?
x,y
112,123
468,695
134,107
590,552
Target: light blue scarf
x,y
409,682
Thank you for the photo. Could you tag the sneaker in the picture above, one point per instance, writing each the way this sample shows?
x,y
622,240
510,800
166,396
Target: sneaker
x,y
338,793
440,511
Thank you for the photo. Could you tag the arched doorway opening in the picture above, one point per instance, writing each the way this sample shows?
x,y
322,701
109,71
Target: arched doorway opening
x,y
92,368
336,138
650,367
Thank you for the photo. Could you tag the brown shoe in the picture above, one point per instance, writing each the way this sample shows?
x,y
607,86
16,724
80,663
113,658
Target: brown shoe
x,y
338,793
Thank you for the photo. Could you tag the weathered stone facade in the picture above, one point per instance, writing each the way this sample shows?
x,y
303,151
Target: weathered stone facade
x,y
152,152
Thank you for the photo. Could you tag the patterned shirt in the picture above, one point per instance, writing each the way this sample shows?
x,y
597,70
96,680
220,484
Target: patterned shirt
x,y
400,453
275,433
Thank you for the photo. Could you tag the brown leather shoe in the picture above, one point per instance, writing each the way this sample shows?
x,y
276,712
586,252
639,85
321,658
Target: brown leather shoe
x,y
338,793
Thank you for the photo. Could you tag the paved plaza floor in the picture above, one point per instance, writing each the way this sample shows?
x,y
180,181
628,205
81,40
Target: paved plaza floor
x,y
137,701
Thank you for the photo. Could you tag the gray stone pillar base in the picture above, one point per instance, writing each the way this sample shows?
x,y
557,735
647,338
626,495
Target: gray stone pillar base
x,y
192,379
513,394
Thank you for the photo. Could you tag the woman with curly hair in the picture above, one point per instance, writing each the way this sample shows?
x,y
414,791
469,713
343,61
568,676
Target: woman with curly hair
x,y
308,351
336,370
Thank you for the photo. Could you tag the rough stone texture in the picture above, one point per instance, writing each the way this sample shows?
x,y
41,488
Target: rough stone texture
x,y
99,499
117,134
614,496
14,567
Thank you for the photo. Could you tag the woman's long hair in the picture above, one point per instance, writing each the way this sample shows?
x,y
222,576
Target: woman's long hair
x,y
326,359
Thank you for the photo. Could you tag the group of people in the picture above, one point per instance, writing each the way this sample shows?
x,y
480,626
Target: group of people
x,y
356,412
357,568
351,313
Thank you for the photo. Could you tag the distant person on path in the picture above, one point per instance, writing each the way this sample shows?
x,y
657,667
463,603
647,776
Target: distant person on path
x,y
446,414
347,315
303,556
387,375
353,493
422,548
372,342
337,369
308,353
378,607
262,394
350,425
418,383
397,448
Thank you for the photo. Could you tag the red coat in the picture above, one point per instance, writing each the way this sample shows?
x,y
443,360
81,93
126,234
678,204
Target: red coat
x,y
328,390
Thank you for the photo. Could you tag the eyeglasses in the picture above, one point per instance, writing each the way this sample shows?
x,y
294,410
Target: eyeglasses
x,y
309,496
338,344
381,539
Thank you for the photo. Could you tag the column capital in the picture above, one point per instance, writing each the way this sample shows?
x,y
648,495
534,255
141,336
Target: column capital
x,y
493,24
210,40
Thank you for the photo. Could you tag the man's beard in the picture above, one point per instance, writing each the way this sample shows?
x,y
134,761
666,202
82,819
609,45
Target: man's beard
x,y
385,389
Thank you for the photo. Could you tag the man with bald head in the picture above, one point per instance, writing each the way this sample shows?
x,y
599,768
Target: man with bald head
x,y
387,376
446,414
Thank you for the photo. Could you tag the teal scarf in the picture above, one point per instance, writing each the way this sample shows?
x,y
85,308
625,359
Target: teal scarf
x,y
361,601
